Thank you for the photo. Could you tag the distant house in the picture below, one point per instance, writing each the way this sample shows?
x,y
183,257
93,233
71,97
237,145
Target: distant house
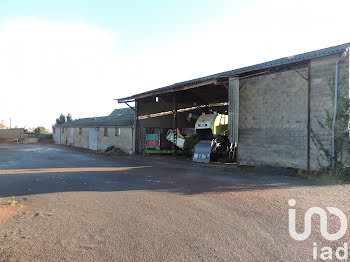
x,y
98,133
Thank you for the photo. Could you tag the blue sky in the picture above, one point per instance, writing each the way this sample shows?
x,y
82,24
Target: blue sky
x,y
77,56
152,22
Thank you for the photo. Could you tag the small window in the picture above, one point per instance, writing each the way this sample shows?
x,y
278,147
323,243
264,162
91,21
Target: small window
x,y
53,130
80,131
105,131
117,131
62,130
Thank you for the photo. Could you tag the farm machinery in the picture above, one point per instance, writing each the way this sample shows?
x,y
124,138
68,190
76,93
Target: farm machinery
x,y
212,135
210,141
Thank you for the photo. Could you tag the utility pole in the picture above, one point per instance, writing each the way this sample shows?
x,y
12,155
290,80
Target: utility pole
x,y
10,123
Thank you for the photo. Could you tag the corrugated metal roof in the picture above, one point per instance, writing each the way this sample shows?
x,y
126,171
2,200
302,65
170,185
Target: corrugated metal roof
x,y
237,72
119,117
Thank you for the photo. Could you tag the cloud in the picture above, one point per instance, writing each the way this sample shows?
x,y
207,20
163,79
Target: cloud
x,y
48,68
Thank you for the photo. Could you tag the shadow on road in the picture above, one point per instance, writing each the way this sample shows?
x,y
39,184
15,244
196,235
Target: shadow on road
x,y
51,169
19,182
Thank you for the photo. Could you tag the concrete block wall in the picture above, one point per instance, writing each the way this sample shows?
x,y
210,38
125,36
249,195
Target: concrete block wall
x,y
322,71
273,119
11,133
273,114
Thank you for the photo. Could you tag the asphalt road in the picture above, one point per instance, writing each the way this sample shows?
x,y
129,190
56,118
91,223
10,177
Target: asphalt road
x,y
83,206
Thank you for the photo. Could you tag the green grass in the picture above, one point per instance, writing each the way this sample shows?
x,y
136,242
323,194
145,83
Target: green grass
x,y
245,167
321,176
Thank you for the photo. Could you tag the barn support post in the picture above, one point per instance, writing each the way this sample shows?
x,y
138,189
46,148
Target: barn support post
x,y
233,110
174,124
308,116
136,130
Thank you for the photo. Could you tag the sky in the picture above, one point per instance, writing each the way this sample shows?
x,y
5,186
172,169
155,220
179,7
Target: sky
x,y
78,56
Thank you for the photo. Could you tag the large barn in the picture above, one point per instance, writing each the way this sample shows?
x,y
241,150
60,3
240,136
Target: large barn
x,y
273,108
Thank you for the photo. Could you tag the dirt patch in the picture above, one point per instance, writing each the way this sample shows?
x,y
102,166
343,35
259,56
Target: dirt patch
x,y
7,211
8,141
46,141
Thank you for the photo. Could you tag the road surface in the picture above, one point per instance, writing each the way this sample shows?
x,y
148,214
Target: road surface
x,y
83,206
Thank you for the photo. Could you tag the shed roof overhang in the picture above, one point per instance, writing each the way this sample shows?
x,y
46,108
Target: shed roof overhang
x,y
160,91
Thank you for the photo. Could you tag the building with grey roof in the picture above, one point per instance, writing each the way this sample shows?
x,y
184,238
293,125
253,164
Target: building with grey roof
x,y
99,133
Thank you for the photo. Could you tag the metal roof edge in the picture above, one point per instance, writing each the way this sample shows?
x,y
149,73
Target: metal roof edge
x,y
92,126
114,119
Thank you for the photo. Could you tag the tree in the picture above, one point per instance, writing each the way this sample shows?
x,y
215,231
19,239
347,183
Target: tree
x,y
69,117
61,119
40,130
2,124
